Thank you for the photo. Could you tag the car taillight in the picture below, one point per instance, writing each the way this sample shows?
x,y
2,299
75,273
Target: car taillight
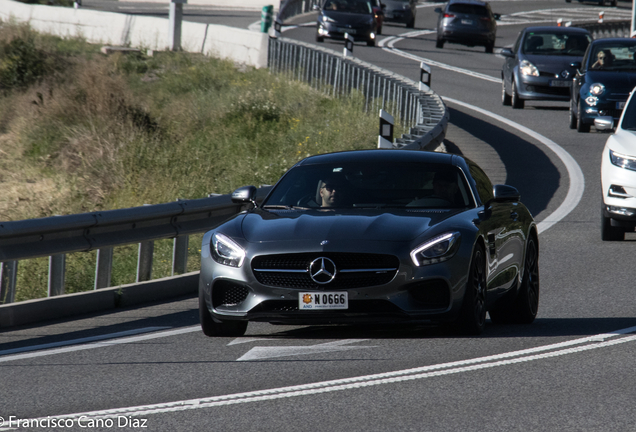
x,y
485,19
447,15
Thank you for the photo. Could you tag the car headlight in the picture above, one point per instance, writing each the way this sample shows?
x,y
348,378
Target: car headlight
x,y
436,250
325,18
597,89
623,161
226,251
528,68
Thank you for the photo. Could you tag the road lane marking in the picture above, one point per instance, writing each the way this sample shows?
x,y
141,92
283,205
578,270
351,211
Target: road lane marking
x,y
575,174
580,345
93,345
260,353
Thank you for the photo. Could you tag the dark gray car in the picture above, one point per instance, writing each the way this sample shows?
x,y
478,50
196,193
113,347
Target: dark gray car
x,y
467,22
355,17
400,11
540,64
373,236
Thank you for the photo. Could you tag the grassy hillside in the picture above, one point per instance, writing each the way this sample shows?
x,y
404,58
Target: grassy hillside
x,y
81,131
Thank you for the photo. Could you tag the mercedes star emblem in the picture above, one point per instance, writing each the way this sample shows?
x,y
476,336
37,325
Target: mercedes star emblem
x,y
322,270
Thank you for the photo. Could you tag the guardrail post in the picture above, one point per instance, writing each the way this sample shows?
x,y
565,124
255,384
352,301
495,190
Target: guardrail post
x,y
348,48
180,255
57,269
104,267
385,140
144,262
8,273
175,18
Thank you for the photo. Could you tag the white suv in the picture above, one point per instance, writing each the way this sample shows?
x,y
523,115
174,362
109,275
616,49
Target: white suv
x,y
618,174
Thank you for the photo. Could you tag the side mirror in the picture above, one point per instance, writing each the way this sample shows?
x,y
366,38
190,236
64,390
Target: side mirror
x,y
604,123
576,65
245,194
497,16
438,10
507,52
315,7
505,193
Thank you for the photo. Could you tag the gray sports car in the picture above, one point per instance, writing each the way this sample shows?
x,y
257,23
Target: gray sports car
x,y
382,236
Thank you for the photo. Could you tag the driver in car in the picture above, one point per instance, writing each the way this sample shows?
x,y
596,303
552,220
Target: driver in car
x,y
332,191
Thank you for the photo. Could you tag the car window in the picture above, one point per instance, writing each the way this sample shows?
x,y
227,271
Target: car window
x,y
369,185
546,43
350,6
518,42
612,57
468,9
484,186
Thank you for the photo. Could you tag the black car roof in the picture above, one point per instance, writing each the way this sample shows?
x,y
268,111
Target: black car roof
x,y
472,2
379,156
556,29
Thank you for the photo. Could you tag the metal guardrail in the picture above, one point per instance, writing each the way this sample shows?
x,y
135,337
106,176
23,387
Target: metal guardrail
x,y
607,29
422,111
291,8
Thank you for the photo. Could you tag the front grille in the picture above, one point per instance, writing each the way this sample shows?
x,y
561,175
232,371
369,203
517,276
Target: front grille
x,y
355,307
353,270
552,91
431,294
227,293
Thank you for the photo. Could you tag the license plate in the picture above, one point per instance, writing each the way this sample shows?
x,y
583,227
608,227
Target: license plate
x,y
620,105
467,22
350,31
323,300
556,83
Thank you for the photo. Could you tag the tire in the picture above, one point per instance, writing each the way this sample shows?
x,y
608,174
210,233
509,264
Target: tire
x,y
517,102
319,39
472,319
506,100
371,42
379,32
225,328
490,48
609,232
573,120
411,24
439,43
524,308
582,127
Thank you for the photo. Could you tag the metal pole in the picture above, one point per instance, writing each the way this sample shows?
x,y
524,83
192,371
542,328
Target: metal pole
x,y
180,255
8,274
104,267
144,261
175,17
57,268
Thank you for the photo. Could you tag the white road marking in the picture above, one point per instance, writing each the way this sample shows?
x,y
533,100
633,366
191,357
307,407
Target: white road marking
x,y
94,345
577,180
599,341
260,353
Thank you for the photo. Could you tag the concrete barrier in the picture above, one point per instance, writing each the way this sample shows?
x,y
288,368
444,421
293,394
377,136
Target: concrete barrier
x,y
239,45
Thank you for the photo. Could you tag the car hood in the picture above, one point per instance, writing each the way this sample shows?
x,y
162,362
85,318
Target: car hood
x,y
353,19
623,141
317,225
613,80
552,64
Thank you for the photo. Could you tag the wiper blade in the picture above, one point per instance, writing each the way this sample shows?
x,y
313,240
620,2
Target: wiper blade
x,y
283,207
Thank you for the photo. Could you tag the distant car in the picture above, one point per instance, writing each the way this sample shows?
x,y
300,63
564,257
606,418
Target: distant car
x,y
539,66
602,82
467,22
600,2
373,236
378,13
618,174
400,11
355,17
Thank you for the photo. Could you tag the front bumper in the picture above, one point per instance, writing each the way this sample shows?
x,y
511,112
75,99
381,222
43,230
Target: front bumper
x,y
429,294
333,31
470,37
619,192
543,88
588,112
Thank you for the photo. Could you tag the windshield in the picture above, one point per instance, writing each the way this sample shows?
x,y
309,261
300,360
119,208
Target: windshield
x,y
350,6
362,185
615,57
545,43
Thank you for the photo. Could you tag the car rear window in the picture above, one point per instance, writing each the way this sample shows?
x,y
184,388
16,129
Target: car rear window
x,y
468,9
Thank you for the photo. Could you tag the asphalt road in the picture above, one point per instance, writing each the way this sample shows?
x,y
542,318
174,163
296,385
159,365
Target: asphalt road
x,y
571,370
